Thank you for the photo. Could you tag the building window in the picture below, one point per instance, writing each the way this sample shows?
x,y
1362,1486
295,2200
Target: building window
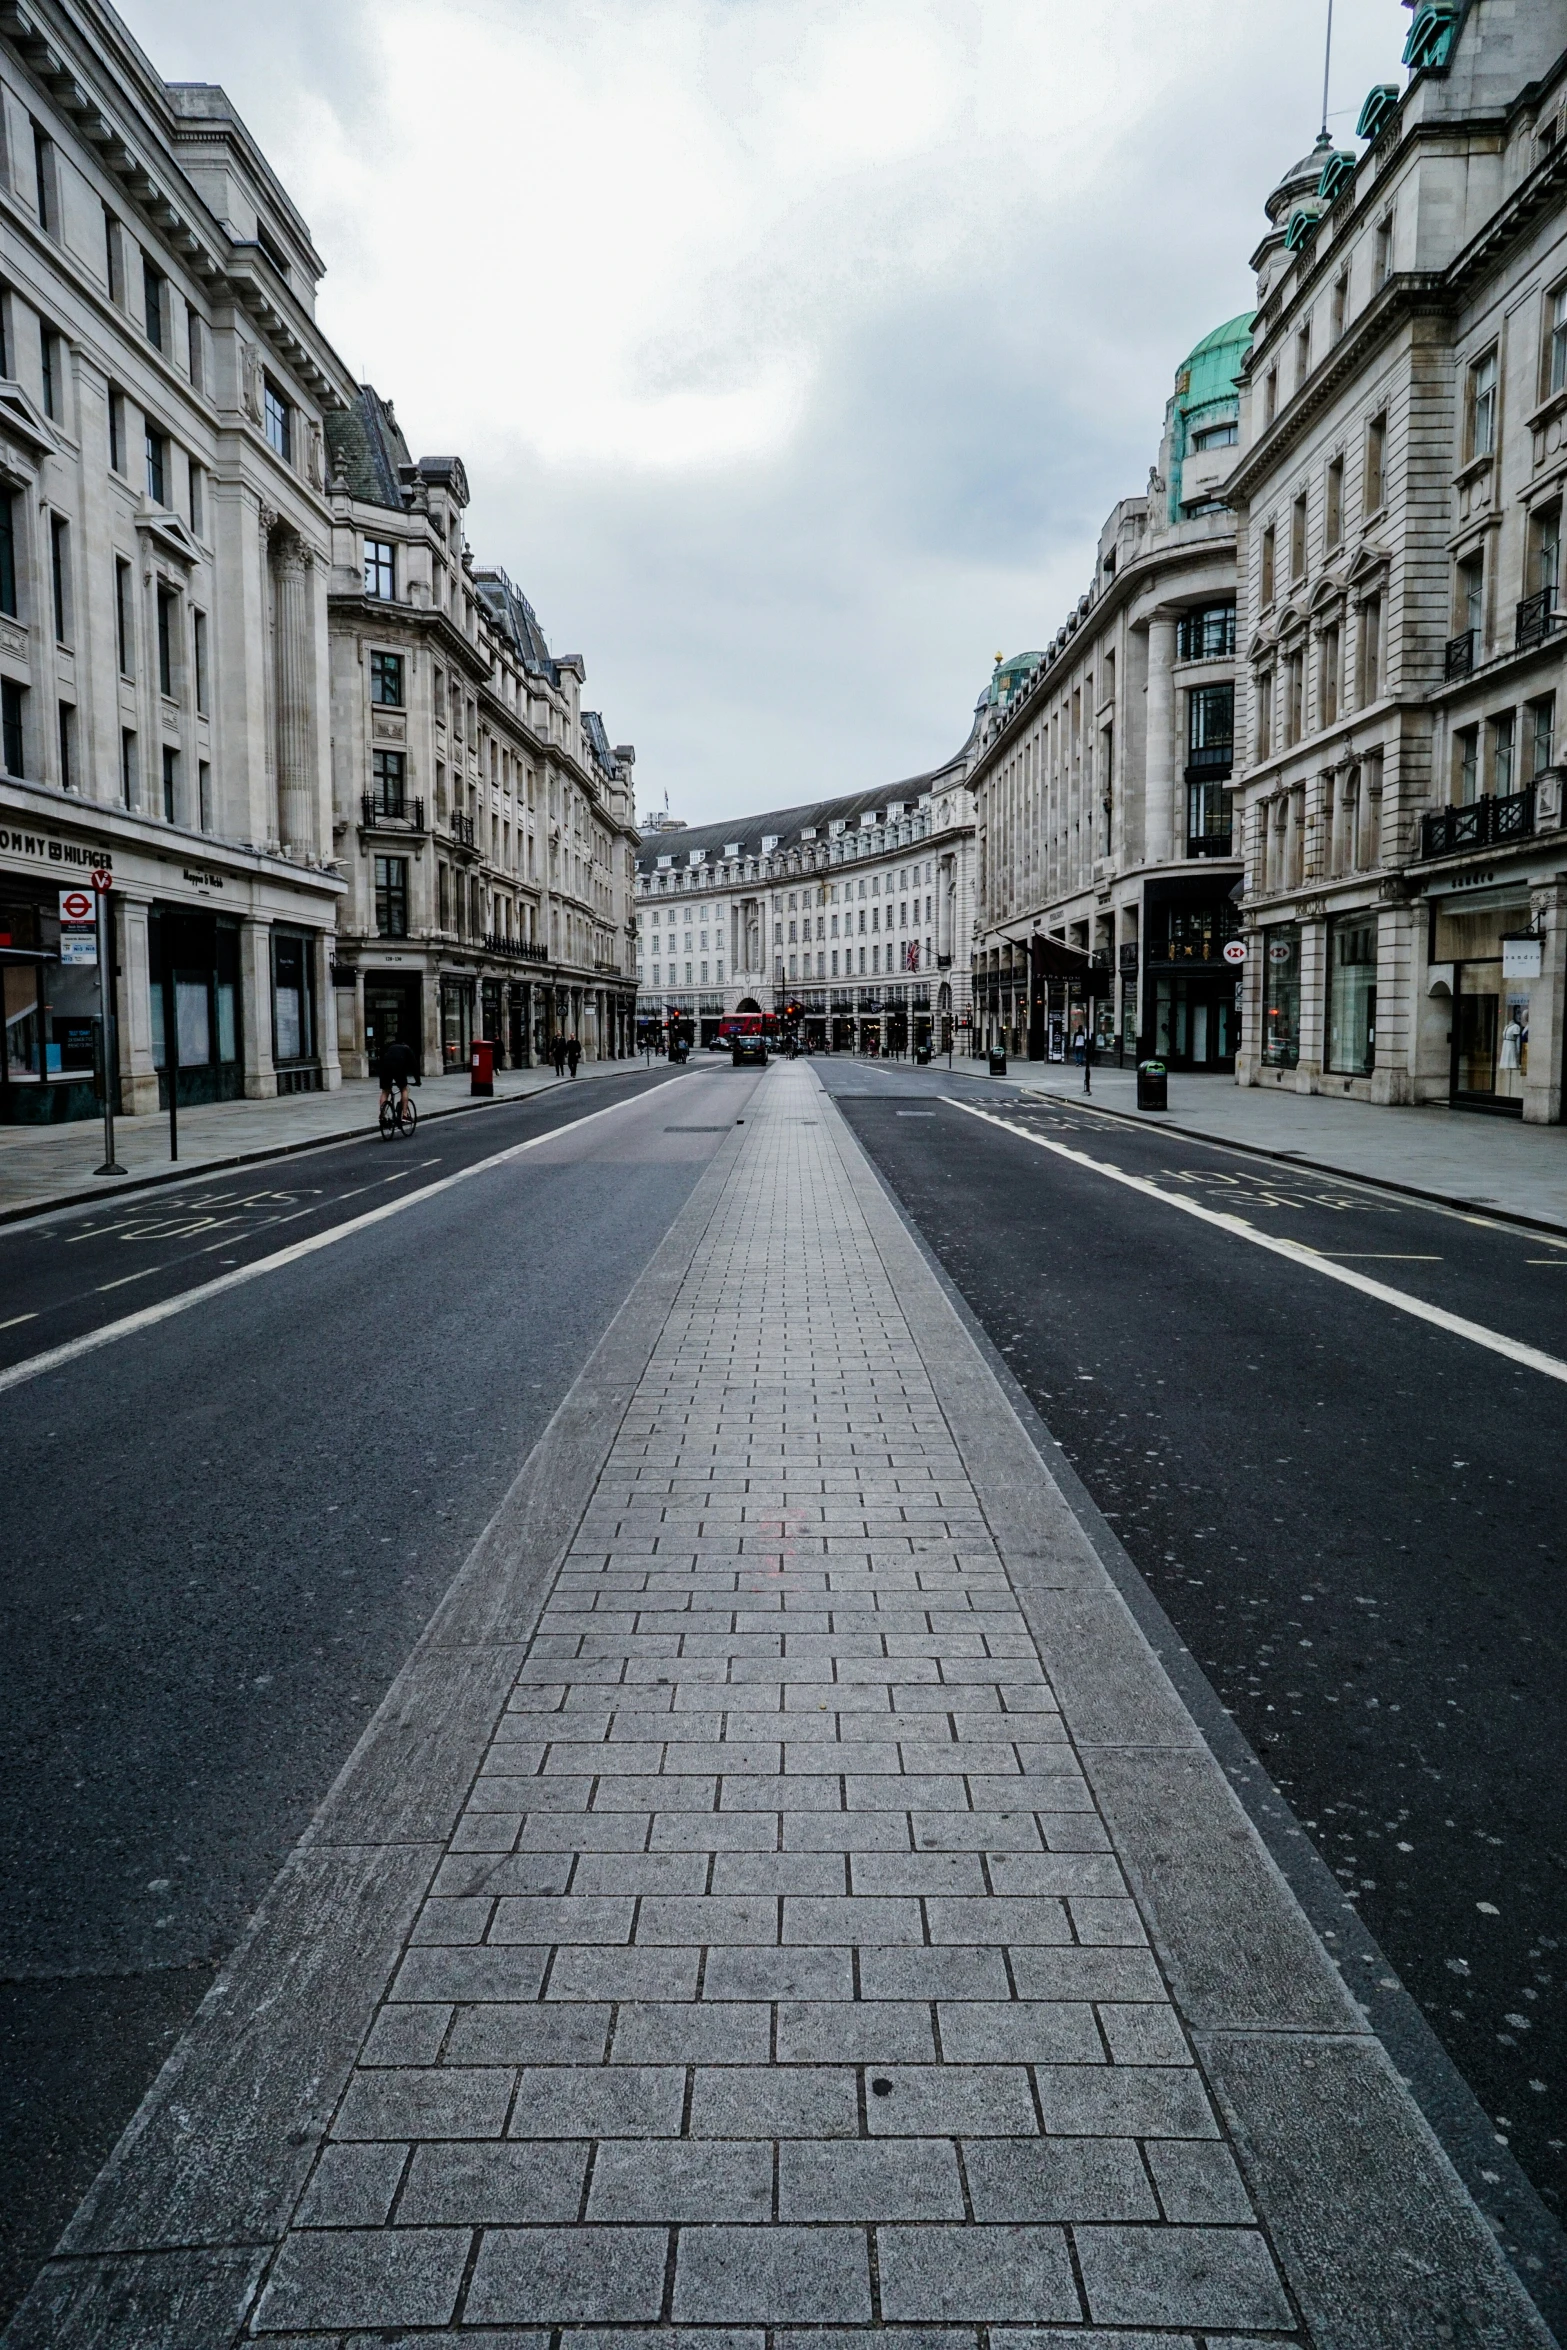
x,y
171,777
391,897
1554,362
116,430
195,355
1298,537
204,794
1482,407
127,767
1302,355
157,466
389,777
1333,504
49,363
124,635
1369,684
386,680
1466,766
165,644
1281,996
67,747
44,188
1352,994
1545,553
8,553
60,576
1540,718
1215,436
1503,733
1269,564
1328,675
152,288
1382,252
1270,396
1207,634
1469,602
1340,310
1294,697
279,422
198,626
196,501
380,569
11,697
1376,465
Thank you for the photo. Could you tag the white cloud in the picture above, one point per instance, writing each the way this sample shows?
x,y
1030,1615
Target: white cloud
x,y
796,347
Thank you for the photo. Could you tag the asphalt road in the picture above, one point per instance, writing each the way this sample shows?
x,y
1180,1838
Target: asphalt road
x,y
224,1534
1353,1519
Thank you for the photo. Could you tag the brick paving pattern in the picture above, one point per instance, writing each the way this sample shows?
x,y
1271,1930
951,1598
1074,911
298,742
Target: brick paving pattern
x,y
780,1973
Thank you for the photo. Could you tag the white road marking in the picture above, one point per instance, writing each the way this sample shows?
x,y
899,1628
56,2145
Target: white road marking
x,y
35,1365
1530,1357
16,1321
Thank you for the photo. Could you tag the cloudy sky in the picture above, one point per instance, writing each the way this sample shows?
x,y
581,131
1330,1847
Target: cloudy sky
x,y
796,348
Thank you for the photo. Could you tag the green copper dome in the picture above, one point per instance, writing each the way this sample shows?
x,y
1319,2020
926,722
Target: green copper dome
x,y
1009,676
1209,369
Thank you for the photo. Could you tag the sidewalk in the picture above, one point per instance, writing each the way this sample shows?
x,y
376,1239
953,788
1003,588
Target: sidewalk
x,y
52,1166
1473,1160
782,1891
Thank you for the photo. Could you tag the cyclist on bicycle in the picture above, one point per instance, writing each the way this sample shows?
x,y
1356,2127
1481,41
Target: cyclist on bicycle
x,y
395,1067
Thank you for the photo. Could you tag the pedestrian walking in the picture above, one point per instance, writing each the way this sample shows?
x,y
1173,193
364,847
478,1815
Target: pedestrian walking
x,y
1088,1060
558,1055
573,1054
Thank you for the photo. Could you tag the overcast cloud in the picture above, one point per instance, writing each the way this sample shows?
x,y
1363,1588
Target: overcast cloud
x,y
796,351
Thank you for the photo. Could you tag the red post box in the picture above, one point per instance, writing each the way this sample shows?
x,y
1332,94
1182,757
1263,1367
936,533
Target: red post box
x,y
482,1066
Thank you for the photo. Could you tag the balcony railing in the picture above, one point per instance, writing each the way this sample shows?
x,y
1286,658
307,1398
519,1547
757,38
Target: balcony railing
x,y
462,831
1459,658
1447,831
1537,616
405,815
516,950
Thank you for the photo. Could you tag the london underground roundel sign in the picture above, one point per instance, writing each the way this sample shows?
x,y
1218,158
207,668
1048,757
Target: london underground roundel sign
x,y
76,905
1235,950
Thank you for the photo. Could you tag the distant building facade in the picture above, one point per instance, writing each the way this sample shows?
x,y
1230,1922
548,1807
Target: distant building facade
x,y
1399,492
850,919
164,546
482,820
1101,772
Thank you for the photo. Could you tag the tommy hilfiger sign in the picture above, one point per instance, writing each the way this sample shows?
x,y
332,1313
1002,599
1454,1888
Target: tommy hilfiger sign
x,y
48,848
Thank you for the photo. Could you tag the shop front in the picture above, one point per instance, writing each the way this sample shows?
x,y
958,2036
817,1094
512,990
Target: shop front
x,y
1191,998
1486,951
1278,951
193,982
457,1016
50,1067
394,1014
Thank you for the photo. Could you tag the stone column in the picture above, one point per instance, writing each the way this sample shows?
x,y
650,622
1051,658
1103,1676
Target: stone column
x,y
1313,1000
1542,1089
291,685
1159,787
326,1012
133,1007
255,1010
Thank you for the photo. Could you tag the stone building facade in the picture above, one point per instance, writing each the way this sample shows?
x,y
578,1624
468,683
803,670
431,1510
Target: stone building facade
x,y
164,547
847,922
482,820
1101,773
1398,493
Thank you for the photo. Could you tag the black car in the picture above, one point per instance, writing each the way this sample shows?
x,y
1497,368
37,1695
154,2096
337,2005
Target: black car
x,y
748,1052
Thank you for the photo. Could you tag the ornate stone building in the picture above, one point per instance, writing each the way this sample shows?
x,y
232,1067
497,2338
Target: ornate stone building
x,y
164,547
1399,494
849,920
483,821
1101,772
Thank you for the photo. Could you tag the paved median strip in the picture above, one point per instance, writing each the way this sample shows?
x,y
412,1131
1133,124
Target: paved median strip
x,y
1529,1358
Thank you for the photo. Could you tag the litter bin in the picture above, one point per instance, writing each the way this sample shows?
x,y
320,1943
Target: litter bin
x,y
482,1066
921,1055
998,1061
1153,1085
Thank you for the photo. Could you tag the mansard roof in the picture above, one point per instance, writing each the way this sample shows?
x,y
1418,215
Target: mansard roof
x,y
366,445
786,827
512,614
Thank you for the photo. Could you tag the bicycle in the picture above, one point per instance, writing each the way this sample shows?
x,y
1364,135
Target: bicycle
x,y
399,1115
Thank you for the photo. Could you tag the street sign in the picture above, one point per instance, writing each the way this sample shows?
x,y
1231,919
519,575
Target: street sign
x,y
78,927
1234,950
102,880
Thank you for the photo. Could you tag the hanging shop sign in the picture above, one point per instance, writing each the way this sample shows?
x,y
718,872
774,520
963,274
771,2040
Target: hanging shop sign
x,y
1234,950
1521,955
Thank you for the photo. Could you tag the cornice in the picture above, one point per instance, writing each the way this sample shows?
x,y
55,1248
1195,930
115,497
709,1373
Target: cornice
x,y
1412,294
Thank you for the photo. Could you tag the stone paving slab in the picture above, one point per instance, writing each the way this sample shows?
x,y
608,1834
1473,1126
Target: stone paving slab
x,y
791,1964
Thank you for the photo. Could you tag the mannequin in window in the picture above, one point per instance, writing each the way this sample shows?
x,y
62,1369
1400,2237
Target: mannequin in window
x,y
1511,1056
